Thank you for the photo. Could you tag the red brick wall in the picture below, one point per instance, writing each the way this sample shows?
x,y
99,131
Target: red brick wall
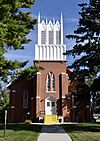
x,y
17,113
61,80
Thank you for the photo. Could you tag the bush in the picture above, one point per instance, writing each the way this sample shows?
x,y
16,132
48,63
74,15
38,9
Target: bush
x,y
28,121
2,115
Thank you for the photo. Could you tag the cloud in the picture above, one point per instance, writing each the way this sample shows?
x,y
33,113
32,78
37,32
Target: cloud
x,y
71,20
17,56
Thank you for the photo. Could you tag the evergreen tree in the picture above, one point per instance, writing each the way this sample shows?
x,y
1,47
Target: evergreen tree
x,y
16,23
87,42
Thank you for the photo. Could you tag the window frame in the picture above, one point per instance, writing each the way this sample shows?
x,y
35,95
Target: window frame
x,y
50,82
25,99
51,35
43,37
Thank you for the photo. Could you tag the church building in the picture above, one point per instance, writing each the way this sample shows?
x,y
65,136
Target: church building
x,y
47,94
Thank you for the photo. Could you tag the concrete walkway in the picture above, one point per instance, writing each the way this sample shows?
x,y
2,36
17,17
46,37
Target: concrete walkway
x,y
53,133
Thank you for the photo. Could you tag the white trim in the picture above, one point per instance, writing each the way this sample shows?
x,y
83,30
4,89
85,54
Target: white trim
x,y
50,91
63,73
52,54
63,97
50,82
38,73
50,109
38,97
74,106
13,91
12,107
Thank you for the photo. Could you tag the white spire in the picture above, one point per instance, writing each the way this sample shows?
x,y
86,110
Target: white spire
x,y
39,17
61,29
46,21
39,32
61,19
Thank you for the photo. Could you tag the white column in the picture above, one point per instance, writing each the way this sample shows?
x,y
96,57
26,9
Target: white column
x,y
36,52
44,47
62,53
61,30
41,52
54,35
64,50
47,34
38,93
39,30
47,52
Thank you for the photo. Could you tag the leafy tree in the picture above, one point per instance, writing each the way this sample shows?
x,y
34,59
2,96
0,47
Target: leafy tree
x,y
28,73
4,101
96,95
87,42
86,51
16,23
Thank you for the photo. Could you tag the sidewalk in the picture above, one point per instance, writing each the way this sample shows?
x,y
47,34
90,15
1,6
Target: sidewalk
x,y
53,133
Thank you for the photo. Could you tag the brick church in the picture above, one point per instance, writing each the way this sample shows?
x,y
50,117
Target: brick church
x,y
48,92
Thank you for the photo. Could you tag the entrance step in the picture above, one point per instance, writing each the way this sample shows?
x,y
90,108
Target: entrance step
x,y
51,119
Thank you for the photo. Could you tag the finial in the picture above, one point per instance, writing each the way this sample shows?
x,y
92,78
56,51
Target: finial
x,y
46,21
39,17
53,20
61,19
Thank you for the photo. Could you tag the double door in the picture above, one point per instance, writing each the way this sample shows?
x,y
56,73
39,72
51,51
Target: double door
x,y
50,107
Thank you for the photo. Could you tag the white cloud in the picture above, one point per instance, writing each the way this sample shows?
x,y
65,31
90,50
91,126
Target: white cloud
x,y
71,20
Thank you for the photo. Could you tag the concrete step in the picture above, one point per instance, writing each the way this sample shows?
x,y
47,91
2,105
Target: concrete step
x,y
51,119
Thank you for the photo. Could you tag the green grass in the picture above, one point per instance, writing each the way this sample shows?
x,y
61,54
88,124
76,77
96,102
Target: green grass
x,y
83,131
20,132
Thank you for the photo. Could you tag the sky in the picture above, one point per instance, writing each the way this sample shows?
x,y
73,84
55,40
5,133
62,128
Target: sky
x,y
50,9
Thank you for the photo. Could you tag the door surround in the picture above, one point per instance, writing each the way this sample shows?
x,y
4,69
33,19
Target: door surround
x,y
50,105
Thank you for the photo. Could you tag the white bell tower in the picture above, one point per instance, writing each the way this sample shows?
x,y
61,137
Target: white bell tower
x,y
50,45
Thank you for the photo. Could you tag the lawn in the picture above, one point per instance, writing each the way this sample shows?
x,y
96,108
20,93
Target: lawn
x,y
20,132
83,131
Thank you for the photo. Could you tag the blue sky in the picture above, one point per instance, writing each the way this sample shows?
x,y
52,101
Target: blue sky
x,y
51,9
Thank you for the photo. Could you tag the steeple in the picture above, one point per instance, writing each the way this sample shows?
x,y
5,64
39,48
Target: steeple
x,y
61,29
39,32
50,45
39,17
61,19
46,20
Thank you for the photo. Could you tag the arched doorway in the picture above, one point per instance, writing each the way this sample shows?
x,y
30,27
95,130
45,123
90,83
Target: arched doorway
x,y
50,105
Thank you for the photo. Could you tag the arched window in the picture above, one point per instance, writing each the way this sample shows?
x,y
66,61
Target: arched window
x,y
50,82
50,37
43,37
58,37
53,83
25,99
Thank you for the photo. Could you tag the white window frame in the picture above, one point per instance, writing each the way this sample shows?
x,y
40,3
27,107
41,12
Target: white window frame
x,y
51,37
25,99
50,82
43,37
58,37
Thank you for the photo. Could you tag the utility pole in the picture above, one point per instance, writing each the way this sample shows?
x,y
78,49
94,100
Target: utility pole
x,y
5,123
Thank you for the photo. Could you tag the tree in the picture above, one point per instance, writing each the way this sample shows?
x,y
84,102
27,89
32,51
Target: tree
x,y
87,42
4,101
96,95
15,25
